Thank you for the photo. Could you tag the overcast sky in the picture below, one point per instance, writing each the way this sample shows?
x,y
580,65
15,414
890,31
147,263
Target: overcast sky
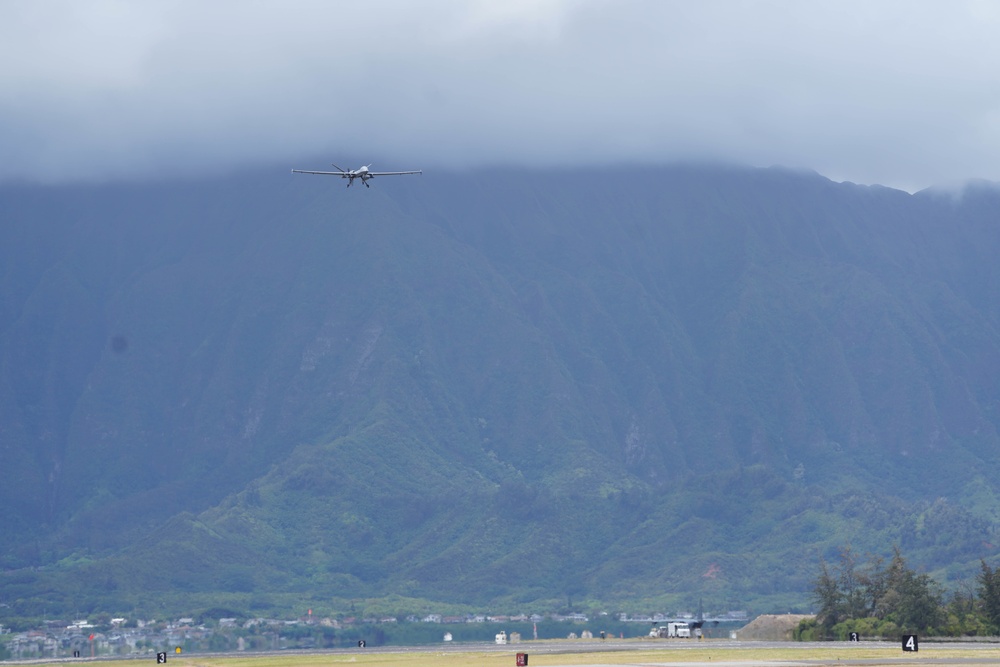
x,y
905,93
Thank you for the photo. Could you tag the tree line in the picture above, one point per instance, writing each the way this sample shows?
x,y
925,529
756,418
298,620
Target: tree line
x,y
875,598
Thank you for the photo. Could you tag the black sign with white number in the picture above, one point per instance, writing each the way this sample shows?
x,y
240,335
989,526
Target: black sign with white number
x,y
855,637
161,658
910,643
76,654
361,643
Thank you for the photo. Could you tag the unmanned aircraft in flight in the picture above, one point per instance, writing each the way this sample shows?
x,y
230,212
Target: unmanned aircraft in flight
x,y
360,172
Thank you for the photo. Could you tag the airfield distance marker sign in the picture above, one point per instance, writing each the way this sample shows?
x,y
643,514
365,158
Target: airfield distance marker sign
x,y
910,643
161,658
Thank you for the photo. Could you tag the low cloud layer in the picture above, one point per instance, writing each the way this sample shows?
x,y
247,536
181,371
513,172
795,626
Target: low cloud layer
x,y
905,94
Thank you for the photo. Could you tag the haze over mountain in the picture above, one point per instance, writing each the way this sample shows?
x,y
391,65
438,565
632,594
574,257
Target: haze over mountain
x,y
895,92
492,388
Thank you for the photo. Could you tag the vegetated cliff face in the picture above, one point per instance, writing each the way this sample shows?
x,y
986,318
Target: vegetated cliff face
x,y
492,385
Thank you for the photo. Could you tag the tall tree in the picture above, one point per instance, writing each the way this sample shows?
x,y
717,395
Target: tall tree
x,y
877,584
827,595
989,594
913,601
853,588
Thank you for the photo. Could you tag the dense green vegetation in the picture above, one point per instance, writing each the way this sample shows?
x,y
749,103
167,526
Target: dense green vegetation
x,y
491,391
875,599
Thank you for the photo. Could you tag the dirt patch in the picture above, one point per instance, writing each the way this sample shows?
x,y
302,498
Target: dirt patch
x,y
771,627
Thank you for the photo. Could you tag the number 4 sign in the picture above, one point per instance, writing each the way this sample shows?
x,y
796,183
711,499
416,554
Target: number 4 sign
x,y
910,643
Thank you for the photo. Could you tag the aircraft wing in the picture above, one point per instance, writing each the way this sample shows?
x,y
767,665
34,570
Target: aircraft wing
x,y
393,173
322,173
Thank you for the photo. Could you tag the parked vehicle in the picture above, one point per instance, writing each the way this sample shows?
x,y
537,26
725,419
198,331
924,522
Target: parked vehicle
x,y
672,629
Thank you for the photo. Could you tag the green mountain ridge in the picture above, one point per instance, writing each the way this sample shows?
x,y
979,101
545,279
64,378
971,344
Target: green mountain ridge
x,y
492,388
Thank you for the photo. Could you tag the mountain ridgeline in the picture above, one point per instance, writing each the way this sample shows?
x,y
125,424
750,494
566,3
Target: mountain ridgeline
x,y
507,389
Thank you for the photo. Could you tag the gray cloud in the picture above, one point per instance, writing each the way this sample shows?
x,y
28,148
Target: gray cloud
x,y
900,93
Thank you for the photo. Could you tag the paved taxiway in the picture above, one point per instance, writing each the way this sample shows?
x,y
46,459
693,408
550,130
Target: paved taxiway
x,y
727,653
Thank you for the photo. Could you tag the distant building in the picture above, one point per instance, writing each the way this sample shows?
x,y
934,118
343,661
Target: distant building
x,y
575,618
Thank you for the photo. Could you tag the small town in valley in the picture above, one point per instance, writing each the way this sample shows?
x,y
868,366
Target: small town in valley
x,y
119,636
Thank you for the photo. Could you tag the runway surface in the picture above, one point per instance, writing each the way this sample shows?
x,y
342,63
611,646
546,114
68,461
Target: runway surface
x,y
732,653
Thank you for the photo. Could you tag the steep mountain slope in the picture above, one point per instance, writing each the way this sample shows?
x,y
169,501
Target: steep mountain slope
x,y
492,387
